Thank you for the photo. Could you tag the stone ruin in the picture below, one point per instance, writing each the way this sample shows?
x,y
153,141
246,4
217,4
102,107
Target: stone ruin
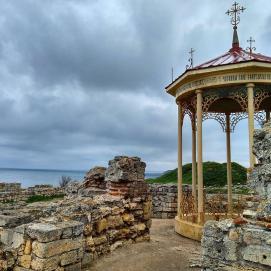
x,y
70,234
244,243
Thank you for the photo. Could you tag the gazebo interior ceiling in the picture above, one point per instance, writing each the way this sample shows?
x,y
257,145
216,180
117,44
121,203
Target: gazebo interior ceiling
x,y
225,105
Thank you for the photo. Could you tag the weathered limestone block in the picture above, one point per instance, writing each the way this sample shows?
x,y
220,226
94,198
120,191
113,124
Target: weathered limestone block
x,y
49,232
257,254
71,257
24,261
70,234
46,250
44,232
125,177
42,264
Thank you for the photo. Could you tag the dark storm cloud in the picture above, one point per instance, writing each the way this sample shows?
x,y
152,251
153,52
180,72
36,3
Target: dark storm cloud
x,y
82,81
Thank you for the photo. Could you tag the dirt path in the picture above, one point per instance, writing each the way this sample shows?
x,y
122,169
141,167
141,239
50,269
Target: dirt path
x,y
166,251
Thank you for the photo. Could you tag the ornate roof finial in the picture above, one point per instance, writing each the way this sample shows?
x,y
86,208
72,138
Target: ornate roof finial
x,y
250,48
234,12
191,60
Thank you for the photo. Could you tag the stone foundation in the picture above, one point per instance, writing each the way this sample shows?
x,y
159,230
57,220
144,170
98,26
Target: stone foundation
x,y
164,200
70,234
231,245
12,192
242,244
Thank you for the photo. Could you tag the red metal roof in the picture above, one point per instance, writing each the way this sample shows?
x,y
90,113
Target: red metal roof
x,y
235,55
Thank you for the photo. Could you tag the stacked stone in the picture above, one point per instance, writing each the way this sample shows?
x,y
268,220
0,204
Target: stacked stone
x,y
125,177
95,178
164,200
244,244
10,187
69,234
260,178
40,246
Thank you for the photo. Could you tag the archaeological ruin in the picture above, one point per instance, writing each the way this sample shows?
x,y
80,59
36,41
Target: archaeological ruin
x,y
71,233
244,243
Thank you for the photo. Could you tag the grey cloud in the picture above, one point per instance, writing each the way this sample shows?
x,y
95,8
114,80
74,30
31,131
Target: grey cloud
x,y
82,81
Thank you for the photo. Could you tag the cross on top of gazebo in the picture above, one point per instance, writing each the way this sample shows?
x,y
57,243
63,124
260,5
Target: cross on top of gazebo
x,y
234,12
191,59
251,48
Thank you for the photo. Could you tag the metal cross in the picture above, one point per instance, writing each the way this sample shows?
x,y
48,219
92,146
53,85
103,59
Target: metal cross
x,y
191,60
250,48
234,12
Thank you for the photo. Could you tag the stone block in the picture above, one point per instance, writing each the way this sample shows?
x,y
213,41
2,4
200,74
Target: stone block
x,y
257,254
100,240
101,225
28,247
46,250
87,259
43,232
71,257
114,221
73,267
128,217
48,264
24,261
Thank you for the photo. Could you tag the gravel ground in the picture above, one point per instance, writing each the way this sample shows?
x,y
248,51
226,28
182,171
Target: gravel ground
x,y
167,251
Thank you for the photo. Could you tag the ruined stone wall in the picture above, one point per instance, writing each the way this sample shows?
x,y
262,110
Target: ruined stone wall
x,y
245,244
164,200
236,245
12,192
70,234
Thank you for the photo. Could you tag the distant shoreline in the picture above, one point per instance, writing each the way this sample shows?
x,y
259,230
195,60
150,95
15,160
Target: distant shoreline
x,y
32,177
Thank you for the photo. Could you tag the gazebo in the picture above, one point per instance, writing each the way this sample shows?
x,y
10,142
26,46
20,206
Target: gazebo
x,y
229,88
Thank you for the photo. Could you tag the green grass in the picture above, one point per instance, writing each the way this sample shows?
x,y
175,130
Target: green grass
x,y
37,198
214,174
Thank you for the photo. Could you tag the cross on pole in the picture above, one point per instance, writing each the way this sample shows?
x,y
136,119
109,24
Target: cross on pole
x,y
251,48
234,12
191,59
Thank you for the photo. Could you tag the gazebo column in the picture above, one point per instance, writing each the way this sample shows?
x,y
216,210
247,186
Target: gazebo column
x,y
199,165
250,109
194,162
229,167
267,112
180,159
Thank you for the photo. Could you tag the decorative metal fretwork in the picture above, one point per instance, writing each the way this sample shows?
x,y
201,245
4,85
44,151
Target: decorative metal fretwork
x,y
260,117
235,118
188,108
259,96
187,205
217,206
221,119
208,100
239,206
240,97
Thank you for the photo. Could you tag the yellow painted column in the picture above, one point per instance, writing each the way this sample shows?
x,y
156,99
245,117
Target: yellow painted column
x,y
267,115
250,110
229,167
194,162
180,159
200,165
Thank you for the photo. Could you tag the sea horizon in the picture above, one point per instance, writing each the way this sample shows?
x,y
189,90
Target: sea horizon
x,y
30,177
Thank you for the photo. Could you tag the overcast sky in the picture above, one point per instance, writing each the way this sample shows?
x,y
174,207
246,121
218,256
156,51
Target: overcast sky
x,y
83,80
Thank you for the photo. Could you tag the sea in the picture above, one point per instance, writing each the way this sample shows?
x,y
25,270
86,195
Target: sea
x,y
31,177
